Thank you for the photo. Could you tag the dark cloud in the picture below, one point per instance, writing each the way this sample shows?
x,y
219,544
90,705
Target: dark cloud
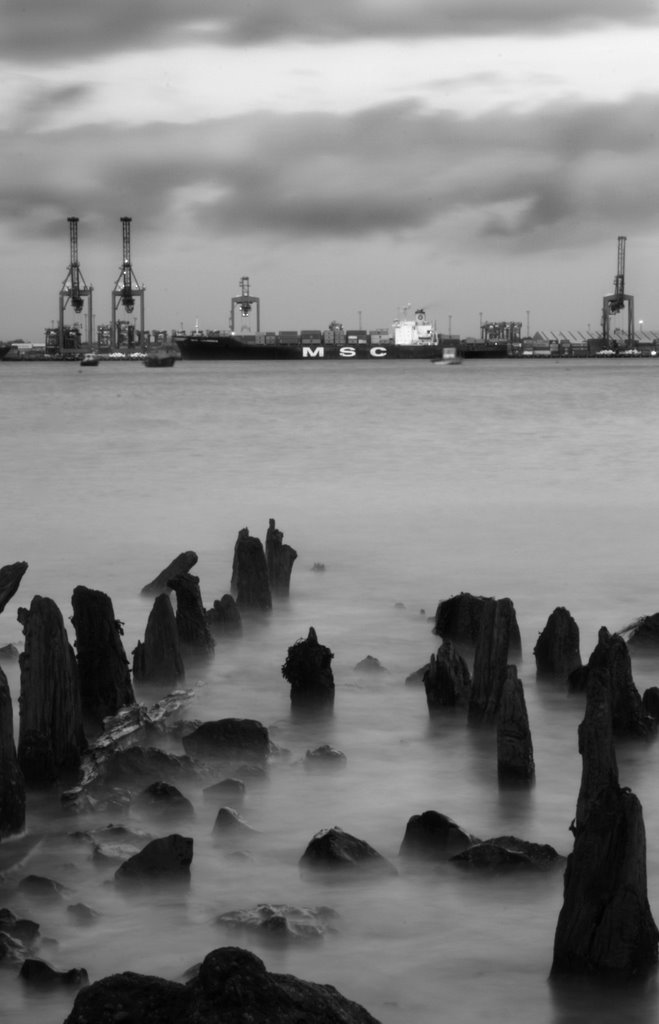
x,y
50,30
559,175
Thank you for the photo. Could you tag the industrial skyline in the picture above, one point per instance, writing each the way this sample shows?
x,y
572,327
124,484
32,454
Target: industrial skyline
x,y
477,159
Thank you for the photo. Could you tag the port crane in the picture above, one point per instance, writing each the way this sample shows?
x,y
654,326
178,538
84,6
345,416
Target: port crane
x,y
126,288
74,289
244,303
615,302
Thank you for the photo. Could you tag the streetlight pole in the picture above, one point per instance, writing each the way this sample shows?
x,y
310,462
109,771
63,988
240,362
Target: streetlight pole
x,y
450,318
528,327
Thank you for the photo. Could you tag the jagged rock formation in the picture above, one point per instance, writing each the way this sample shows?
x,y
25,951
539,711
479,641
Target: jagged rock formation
x,y
105,684
459,619
434,836
446,680
10,579
12,783
163,860
250,584
158,659
605,926
51,740
178,567
557,651
643,635
224,618
279,558
232,985
308,668
611,657
514,744
333,849
493,647
193,632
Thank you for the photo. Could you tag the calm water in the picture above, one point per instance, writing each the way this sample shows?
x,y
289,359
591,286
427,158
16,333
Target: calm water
x,y
534,481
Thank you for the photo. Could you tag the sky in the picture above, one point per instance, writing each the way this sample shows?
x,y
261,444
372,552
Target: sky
x,y
354,159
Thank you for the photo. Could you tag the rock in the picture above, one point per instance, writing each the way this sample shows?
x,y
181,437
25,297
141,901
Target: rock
x,y
279,559
114,844
135,765
162,800
495,638
611,656
227,789
81,914
446,680
282,922
161,861
308,668
643,635
194,635
12,951
650,702
224,618
324,757
12,783
434,836
249,577
10,580
40,888
9,653
508,852
40,975
557,651
158,659
369,664
180,565
51,740
333,849
26,932
514,744
318,567
229,823
105,683
229,739
232,986
605,926
417,677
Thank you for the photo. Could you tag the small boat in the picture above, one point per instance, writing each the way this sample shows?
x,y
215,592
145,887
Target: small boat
x,y
89,359
450,357
161,358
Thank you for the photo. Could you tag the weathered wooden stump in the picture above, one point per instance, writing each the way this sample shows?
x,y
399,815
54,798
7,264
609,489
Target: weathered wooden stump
x,y
249,577
514,745
446,680
459,619
193,632
498,625
158,659
179,565
308,668
279,558
611,656
10,579
224,618
557,648
12,783
105,683
605,926
51,740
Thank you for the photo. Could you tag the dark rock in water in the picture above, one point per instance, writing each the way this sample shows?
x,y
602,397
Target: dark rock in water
x,y
40,975
651,702
227,789
417,677
181,564
10,580
459,619
229,823
232,986
229,739
12,951
194,634
23,930
224,618
496,636
158,659
318,567
12,783
324,757
250,584
508,852
514,743
308,668
114,844
643,635
81,914
557,651
9,653
161,799
40,888
279,559
51,740
138,764
333,849
281,922
369,664
611,656
105,683
161,861
434,836
605,926
446,680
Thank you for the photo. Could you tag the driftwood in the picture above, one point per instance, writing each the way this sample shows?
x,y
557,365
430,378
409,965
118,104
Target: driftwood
x,y
557,651
158,659
249,576
514,744
181,564
12,783
308,668
446,680
10,578
605,926
105,684
498,625
279,559
193,632
51,738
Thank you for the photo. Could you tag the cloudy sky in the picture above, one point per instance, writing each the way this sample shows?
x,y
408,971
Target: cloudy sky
x,y
352,157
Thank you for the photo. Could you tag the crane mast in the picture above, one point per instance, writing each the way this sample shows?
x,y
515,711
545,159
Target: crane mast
x,y
244,303
616,301
74,290
126,290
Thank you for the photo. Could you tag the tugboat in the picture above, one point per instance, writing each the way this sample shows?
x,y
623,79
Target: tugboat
x,y
160,357
89,359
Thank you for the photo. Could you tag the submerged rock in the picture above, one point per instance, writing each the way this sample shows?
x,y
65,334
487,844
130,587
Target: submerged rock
x,y
333,849
162,860
227,789
41,975
505,852
282,922
229,739
162,800
434,836
324,757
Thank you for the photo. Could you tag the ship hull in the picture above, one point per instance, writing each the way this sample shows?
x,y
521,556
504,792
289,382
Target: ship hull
x,y
234,349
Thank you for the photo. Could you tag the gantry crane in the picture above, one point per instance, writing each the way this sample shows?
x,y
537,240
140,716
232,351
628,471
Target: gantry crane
x,y
244,303
74,290
614,303
126,288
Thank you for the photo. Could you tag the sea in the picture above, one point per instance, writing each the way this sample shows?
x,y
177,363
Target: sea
x,y
408,482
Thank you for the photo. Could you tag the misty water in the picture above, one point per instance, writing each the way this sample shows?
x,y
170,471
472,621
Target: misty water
x,y
534,480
